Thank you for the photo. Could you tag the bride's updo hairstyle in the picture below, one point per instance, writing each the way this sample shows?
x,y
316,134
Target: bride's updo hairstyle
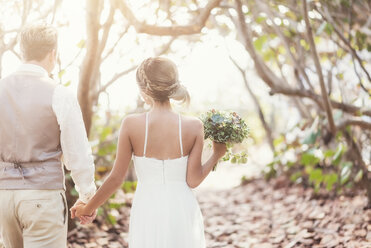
x,y
158,78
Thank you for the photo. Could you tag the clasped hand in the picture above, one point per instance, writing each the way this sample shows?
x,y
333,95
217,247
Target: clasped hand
x,y
79,211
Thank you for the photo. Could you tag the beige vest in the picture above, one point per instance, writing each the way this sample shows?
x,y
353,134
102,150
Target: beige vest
x,y
30,151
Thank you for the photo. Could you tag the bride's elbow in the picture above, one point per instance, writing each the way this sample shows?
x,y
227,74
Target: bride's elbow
x,y
192,184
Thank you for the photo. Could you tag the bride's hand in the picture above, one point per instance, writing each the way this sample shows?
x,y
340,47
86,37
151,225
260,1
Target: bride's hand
x,y
219,149
85,219
80,210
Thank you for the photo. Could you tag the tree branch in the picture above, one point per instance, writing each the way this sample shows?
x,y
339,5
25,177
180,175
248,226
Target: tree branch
x,y
296,63
275,83
313,49
110,51
257,104
175,30
353,52
106,29
164,49
114,79
88,72
355,122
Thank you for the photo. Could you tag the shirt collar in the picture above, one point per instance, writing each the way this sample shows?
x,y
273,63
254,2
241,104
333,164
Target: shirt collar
x,y
32,68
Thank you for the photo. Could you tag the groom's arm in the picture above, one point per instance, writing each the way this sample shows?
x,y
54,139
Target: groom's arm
x,y
77,154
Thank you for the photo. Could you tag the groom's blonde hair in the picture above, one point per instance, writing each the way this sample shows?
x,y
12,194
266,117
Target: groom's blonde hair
x,y
37,40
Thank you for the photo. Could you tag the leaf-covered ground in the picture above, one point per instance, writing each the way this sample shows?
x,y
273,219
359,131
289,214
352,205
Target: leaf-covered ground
x,y
261,215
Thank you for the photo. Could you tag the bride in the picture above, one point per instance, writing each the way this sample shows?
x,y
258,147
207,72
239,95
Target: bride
x,y
166,149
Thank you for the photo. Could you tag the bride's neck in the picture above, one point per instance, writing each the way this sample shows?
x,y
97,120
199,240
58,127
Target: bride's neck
x,y
161,106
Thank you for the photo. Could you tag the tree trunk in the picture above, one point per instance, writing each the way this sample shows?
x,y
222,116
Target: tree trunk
x,y
1,65
90,64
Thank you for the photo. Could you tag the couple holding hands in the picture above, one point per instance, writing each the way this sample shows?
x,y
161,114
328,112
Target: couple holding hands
x,y
41,121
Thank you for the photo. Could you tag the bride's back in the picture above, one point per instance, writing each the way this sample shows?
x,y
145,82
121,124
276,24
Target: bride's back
x,y
163,134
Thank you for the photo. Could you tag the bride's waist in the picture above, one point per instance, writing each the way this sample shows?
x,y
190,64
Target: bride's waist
x,y
162,182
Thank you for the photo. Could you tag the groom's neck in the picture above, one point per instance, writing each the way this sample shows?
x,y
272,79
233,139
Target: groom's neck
x,y
42,64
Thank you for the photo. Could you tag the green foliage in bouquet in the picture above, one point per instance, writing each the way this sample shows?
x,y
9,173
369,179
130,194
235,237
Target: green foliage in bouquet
x,y
224,127
228,128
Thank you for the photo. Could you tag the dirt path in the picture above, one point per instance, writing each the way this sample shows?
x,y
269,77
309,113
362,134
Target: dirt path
x,y
257,215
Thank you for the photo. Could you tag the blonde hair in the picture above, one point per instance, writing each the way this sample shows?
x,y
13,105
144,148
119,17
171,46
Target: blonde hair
x,y
37,40
158,78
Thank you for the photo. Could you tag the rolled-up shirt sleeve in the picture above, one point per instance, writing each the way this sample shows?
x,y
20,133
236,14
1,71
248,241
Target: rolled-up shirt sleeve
x,y
77,154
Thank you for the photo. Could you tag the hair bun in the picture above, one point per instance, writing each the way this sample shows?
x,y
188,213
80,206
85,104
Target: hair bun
x,y
181,94
158,78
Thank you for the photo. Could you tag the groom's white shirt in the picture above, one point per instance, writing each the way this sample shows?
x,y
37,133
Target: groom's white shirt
x,y
77,154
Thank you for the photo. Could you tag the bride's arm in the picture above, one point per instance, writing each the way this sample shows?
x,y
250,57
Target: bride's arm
x,y
196,172
117,175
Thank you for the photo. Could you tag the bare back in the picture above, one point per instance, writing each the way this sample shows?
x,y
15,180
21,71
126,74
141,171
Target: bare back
x,y
163,134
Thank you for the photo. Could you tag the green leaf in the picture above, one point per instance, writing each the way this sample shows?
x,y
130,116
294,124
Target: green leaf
x,y
359,176
278,140
345,172
260,41
329,153
329,29
316,176
311,138
105,132
291,15
61,73
111,219
268,55
338,154
129,186
308,158
340,76
243,160
68,83
361,39
81,44
260,19
340,53
114,205
317,40
295,176
304,44
100,211
330,180
321,28
345,3
74,192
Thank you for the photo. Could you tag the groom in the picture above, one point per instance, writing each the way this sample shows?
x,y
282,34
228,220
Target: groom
x,y
39,122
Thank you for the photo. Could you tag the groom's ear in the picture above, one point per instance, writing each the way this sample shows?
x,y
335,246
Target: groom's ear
x,y
54,54
52,57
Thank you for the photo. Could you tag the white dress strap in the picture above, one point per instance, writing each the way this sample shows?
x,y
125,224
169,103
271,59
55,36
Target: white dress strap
x,y
146,136
180,135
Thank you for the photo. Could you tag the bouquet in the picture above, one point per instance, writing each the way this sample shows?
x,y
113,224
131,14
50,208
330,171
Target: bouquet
x,y
228,128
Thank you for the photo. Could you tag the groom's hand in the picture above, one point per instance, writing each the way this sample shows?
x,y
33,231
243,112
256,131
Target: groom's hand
x,y
85,219
73,208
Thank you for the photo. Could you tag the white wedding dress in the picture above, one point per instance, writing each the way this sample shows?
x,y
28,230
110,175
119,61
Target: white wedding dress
x,y
165,212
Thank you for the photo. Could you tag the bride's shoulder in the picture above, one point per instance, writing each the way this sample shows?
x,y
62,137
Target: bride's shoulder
x,y
134,116
192,122
132,119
